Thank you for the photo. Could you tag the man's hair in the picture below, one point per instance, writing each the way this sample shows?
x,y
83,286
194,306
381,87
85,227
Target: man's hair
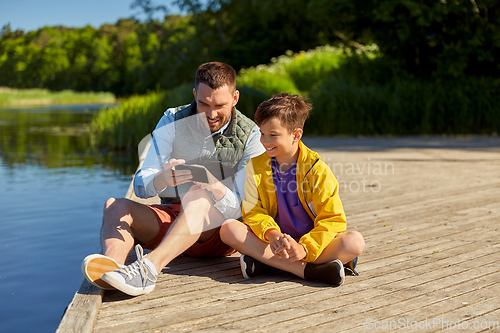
x,y
216,75
291,110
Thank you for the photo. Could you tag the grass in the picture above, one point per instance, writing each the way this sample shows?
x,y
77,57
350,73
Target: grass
x,y
297,73
35,97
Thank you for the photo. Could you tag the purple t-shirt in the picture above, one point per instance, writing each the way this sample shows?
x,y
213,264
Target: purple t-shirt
x,y
292,217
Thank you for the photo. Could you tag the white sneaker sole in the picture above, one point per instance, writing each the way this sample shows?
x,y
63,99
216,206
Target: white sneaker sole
x,y
117,281
342,273
95,266
244,267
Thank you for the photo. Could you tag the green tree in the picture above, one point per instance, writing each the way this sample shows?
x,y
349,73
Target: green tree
x,y
425,37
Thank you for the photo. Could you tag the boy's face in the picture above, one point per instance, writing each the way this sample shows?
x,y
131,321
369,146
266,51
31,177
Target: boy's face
x,y
215,105
277,141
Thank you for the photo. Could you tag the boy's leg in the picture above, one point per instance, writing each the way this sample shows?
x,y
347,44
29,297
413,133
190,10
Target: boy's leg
x,y
240,237
345,246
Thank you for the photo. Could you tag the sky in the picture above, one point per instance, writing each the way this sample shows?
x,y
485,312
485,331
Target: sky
x,y
30,15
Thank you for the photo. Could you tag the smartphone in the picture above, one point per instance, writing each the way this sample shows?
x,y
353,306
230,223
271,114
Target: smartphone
x,y
199,172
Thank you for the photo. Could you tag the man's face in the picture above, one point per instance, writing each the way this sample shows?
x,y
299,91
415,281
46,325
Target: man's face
x,y
215,104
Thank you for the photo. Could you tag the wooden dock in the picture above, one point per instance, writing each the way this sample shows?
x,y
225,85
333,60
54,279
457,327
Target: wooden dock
x,y
429,209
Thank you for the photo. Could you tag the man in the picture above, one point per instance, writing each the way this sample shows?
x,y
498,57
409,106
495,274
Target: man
x,y
210,132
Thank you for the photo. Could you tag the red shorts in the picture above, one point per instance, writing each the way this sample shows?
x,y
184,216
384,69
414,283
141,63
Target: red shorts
x,y
166,214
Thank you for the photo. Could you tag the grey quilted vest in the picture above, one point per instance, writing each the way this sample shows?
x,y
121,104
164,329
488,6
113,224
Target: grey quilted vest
x,y
220,154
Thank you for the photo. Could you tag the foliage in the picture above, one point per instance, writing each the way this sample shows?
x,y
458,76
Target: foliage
x,y
297,73
124,126
443,38
126,58
405,107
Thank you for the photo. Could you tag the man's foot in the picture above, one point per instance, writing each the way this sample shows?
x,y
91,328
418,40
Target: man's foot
x,y
251,267
135,279
95,265
331,272
350,267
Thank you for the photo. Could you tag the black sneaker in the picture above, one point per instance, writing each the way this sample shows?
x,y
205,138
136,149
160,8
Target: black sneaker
x,y
350,267
331,272
251,267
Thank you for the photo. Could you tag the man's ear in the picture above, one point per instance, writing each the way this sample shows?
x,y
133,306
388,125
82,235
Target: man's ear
x,y
236,97
194,93
297,135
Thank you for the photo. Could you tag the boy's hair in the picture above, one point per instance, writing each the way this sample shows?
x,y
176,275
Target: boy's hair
x,y
216,75
291,110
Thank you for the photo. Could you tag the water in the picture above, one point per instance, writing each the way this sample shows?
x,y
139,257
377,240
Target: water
x,y
51,198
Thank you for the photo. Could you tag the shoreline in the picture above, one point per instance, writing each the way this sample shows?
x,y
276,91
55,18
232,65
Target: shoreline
x,y
10,97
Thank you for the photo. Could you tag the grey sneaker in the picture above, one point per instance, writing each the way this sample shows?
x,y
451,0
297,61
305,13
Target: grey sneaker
x,y
135,279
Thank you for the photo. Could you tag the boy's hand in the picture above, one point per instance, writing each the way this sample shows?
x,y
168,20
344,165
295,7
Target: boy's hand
x,y
278,243
285,246
294,250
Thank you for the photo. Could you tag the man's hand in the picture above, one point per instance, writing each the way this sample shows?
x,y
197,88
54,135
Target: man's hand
x,y
214,185
168,176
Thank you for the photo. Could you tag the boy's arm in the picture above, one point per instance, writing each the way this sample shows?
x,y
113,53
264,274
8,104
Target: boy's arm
x,y
254,214
330,217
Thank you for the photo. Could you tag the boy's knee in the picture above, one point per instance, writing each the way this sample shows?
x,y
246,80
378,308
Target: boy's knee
x,y
356,242
228,231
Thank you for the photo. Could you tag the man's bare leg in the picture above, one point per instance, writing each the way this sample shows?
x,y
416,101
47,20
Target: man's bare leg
x,y
123,220
196,223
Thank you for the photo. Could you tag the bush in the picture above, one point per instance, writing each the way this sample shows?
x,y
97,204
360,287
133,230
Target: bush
x,y
124,126
405,107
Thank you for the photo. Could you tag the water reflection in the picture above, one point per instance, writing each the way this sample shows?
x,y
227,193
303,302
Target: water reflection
x,y
53,192
55,137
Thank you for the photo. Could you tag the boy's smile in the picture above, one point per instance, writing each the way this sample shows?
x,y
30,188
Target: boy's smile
x,y
278,142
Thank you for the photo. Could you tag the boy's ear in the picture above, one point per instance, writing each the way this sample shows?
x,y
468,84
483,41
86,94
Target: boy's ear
x,y
297,135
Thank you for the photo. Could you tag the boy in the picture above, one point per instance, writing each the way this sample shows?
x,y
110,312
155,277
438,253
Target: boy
x,y
293,217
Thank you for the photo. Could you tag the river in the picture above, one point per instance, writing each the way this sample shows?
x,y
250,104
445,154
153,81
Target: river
x,y
52,193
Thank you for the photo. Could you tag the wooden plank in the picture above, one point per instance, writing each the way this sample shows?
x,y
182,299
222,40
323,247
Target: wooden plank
x,y
431,244
81,313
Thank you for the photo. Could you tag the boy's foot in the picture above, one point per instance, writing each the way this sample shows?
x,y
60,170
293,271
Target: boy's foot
x,y
350,267
135,279
331,272
95,265
251,267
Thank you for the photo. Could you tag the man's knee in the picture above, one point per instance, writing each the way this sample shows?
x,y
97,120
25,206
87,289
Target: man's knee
x,y
114,209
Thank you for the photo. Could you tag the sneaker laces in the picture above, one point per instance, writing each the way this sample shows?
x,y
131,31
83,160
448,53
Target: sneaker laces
x,y
139,267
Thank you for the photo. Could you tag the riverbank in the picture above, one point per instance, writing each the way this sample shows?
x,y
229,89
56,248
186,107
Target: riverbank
x,y
39,97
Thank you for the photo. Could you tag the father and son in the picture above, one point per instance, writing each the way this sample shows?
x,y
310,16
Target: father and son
x,y
268,196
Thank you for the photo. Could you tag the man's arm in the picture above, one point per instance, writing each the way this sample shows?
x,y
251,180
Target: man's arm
x,y
230,204
144,184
